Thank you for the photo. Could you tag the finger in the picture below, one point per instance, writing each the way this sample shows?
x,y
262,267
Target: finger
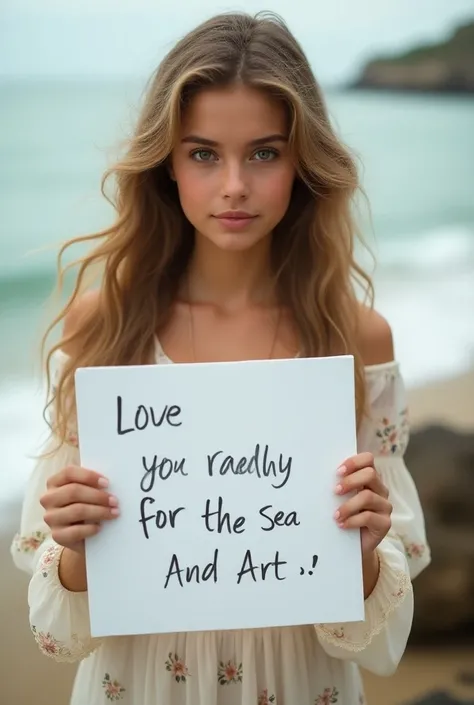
x,y
366,477
77,513
67,536
73,474
378,524
356,462
74,493
364,500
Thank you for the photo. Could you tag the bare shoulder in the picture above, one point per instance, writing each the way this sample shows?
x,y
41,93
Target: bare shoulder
x,y
82,309
375,337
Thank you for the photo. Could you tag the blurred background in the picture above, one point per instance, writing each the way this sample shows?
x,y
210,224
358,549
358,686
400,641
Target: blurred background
x,y
399,82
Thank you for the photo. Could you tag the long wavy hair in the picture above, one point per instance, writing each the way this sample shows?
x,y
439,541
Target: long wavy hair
x,y
144,253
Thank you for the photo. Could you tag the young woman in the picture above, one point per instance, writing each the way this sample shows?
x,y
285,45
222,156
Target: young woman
x,y
234,240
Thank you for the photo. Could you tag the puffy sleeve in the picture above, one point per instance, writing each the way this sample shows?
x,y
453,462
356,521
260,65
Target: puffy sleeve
x,y
378,643
59,619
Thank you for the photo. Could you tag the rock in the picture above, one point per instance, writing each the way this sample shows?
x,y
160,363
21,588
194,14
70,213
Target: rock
x,y
441,462
444,67
440,698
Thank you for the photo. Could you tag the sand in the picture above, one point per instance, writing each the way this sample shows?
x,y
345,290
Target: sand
x,y
28,678
422,672
449,402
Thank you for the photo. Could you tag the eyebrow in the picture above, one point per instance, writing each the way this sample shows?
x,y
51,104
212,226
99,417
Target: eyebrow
x,y
195,139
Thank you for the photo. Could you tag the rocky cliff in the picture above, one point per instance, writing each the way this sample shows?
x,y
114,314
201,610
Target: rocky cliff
x,y
441,461
445,67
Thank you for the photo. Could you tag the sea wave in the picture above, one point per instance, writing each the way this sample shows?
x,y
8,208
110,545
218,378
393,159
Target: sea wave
x,y
441,250
23,430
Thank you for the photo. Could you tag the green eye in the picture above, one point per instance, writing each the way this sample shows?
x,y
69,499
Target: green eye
x,y
266,155
202,155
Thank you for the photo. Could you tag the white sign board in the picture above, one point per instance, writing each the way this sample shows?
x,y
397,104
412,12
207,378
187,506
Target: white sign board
x,y
225,475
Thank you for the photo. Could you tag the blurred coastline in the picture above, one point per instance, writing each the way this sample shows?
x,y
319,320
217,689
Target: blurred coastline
x,y
56,139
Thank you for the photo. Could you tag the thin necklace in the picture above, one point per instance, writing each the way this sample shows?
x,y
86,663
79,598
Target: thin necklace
x,y
192,332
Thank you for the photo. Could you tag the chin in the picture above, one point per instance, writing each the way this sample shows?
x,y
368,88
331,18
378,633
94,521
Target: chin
x,y
233,242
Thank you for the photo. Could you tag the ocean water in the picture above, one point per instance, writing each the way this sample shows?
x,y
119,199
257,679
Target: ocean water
x,y
417,163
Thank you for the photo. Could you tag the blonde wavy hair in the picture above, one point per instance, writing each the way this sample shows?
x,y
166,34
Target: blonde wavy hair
x,y
143,255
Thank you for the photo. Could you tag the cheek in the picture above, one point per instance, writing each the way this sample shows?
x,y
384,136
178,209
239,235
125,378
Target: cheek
x,y
193,189
276,190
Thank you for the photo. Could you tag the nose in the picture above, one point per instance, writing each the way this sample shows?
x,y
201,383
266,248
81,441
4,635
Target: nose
x,y
234,182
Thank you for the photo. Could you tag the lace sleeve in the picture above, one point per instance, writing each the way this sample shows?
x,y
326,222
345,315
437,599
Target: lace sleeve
x,y
378,642
59,619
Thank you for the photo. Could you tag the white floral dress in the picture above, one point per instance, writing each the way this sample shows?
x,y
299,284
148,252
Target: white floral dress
x,y
316,664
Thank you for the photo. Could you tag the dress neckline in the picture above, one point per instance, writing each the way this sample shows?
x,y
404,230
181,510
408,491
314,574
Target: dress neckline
x,y
392,365
161,356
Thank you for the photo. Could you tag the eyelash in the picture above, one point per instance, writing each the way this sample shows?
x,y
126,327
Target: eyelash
x,y
272,151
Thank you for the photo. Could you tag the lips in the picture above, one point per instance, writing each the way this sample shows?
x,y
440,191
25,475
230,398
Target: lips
x,y
235,220
234,215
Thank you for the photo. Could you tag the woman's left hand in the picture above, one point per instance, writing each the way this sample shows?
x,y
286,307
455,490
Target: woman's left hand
x,y
369,509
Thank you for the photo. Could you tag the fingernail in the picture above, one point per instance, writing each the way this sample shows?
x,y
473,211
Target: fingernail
x,y
340,524
339,489
337,514
113,501
103,482
115,511
341,470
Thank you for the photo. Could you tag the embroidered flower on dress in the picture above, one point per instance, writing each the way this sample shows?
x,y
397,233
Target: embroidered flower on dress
x,y
400,592
49,645
32,542
177,668
388,437
265,699
412,549
229,673
393,437
338,633
329,695
56,649
113,690
47,560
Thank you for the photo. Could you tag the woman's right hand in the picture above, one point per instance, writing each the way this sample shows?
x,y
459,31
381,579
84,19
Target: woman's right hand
x,y
75,504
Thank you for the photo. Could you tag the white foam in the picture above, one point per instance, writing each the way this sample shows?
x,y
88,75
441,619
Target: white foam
x,y
424,286
432,322
22,430
440,250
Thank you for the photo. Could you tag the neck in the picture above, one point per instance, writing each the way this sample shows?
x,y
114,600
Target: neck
x,y
231,280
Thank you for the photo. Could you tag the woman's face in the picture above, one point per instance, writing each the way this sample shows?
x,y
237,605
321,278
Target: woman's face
x,y
233,167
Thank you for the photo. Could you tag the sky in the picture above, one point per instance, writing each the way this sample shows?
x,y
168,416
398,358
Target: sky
x,y
96,38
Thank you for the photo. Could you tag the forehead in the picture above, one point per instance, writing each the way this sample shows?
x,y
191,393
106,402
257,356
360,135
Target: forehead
x,y
233,114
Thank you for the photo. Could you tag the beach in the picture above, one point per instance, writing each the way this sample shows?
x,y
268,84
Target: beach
x,y
423,227
447,402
